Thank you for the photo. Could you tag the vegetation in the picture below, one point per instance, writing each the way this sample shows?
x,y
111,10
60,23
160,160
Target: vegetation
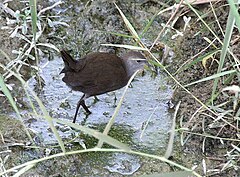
x,y
208,108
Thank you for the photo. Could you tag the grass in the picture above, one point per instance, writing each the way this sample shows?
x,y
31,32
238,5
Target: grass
x,y
218,114
21,169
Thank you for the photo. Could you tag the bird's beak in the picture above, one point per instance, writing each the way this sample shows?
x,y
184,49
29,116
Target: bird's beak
x,y
63,71
139,59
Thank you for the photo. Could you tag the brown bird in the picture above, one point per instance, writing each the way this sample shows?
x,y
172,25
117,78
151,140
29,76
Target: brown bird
x,y
98,73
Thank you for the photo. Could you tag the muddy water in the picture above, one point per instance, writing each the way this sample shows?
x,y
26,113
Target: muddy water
x,y
145,101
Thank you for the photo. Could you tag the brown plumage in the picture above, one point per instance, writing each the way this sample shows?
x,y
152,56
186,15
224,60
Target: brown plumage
x,y
98,73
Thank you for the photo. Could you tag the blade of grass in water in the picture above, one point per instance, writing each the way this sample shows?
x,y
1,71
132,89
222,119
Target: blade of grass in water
x,y
163,159
102,137
111,121
42,107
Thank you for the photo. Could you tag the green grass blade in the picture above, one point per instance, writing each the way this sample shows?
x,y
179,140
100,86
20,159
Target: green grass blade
x,y
23,170
128,24
48,45
207,26
199,59
33,8
229,29
148,25
49,119
170,174
13,169
114,33
126,46
105,138
215,76
7,93
42,107
234,12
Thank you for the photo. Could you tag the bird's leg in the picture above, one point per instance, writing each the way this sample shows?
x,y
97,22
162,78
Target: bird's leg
x,y
95,99
81,102
115,99
85,107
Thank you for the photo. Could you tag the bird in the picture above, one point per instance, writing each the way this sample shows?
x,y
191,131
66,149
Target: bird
x,y
98,73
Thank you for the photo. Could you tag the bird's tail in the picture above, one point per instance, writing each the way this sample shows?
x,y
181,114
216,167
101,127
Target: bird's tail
x,y
68,59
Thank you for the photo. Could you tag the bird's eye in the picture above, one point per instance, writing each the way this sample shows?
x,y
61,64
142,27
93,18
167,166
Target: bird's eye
x,y
141,61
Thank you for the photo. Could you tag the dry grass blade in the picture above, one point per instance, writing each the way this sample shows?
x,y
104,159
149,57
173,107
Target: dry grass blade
x,y
111,121
128,24
172,133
